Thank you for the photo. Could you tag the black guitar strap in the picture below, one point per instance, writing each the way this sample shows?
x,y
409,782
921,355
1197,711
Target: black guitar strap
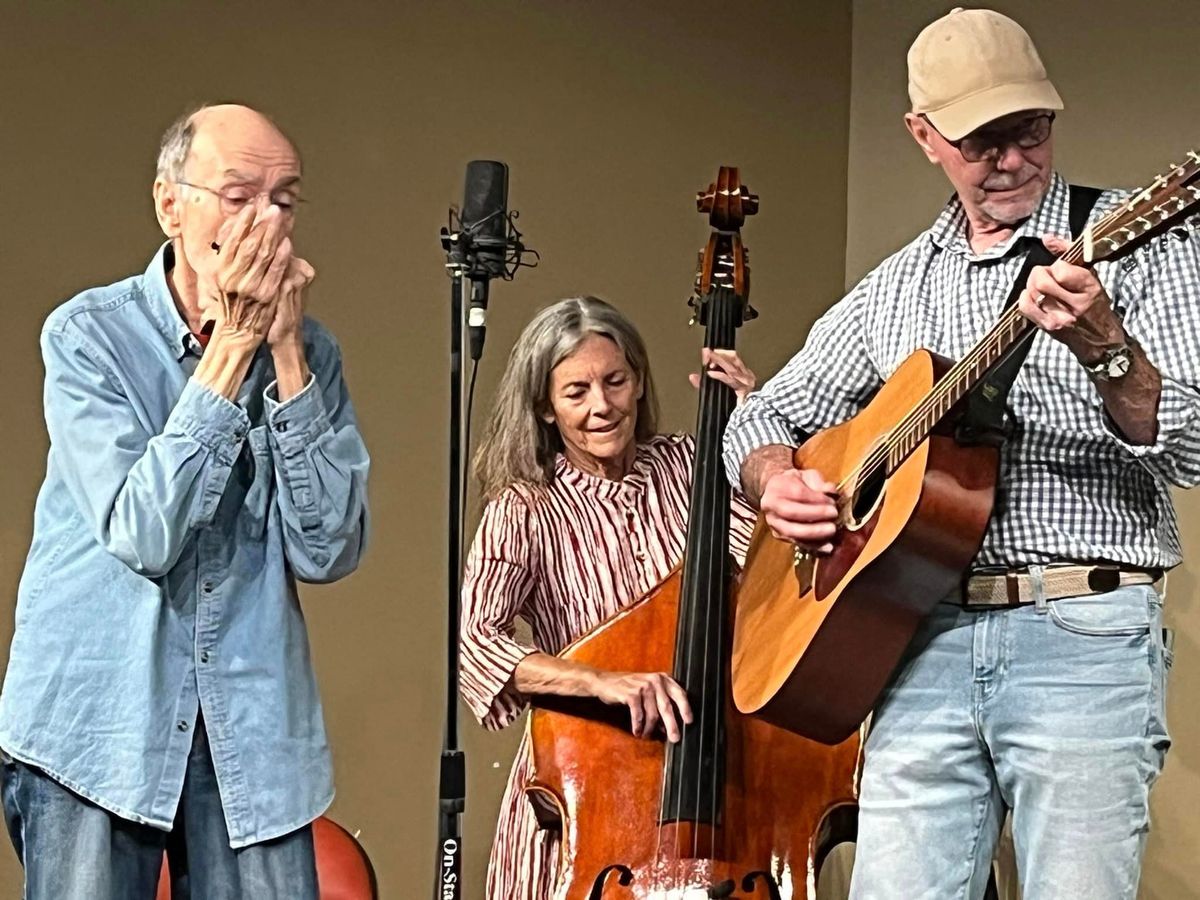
x,y
985,418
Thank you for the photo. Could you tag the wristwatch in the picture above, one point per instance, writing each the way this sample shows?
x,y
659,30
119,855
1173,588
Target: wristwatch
x,y
1112,365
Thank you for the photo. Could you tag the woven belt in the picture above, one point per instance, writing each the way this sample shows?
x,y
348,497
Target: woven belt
x,y
1015,588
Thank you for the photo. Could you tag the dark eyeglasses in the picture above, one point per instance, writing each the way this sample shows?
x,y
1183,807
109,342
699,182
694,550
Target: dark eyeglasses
x,y
989,143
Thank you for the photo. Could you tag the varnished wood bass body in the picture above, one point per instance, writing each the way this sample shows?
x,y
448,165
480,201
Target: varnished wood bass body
x,y
738,808
787,801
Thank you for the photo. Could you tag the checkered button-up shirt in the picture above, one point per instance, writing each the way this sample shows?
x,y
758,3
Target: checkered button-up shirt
x,y
1070,487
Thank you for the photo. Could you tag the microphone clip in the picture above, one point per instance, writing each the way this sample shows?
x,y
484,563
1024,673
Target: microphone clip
x,y
502,256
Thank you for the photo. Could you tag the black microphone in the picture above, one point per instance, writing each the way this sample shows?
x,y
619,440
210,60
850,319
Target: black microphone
x,y
484,219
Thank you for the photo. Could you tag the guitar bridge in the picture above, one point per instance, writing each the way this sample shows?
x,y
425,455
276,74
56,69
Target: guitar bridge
x,y
804,564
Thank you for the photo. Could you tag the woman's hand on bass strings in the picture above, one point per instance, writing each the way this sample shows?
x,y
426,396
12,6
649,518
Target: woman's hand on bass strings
x,y
653,699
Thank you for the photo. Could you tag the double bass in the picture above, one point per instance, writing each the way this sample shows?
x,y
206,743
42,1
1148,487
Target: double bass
x,y
738,808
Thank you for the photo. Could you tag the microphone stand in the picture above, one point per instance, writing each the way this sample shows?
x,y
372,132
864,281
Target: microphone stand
x,y
464,266
452,784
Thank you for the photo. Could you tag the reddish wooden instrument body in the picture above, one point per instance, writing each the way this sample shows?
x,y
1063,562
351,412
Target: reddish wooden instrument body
x,y
788,800
344,871
738,808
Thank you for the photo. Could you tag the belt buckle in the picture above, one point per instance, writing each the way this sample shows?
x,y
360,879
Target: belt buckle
x,y
1012,587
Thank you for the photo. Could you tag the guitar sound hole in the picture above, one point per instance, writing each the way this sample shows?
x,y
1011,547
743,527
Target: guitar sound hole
x,y
866,497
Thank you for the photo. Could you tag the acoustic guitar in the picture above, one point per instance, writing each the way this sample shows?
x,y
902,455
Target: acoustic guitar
x,y
816,639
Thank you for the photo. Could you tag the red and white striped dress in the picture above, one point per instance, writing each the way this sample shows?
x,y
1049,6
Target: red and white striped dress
x,y
564,558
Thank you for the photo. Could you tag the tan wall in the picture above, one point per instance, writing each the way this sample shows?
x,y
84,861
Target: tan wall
x,y
1126,74
611,116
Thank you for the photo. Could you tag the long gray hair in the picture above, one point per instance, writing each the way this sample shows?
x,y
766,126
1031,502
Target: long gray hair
x,y
518,444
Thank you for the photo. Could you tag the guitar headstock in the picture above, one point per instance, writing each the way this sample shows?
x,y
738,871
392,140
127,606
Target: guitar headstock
x,y
724,262
1168,198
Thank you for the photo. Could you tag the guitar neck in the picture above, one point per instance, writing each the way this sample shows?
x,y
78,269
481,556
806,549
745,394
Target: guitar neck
x,y
965,374
952,388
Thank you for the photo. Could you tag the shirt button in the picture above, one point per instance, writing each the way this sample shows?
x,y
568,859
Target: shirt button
x,y
204,656
207,587
281,427
640,556
182,726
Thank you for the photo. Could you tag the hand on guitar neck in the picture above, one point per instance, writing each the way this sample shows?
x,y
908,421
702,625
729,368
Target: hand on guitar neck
x,y
1069,303
799,505
1065,300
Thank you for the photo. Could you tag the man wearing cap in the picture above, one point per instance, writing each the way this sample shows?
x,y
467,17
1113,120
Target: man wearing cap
x,y
204,456
1043,696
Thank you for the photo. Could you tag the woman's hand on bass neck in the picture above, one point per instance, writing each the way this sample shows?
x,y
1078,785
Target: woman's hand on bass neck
x,y
726,367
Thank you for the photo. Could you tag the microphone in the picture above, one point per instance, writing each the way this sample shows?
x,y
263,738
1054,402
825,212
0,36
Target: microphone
x,y
485,219
485,214
481,243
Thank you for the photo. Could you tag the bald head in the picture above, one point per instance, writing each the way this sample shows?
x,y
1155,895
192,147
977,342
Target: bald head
x,y
210,129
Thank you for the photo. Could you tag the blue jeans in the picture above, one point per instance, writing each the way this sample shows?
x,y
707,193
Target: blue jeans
x,y
1055,711
74,850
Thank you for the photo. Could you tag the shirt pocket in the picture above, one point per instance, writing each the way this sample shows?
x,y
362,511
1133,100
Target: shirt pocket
x,y
256,507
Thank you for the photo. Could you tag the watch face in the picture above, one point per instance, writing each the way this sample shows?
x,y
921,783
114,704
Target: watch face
x,y
1119,365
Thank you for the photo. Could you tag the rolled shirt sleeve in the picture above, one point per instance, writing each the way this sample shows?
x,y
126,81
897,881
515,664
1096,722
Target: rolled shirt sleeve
x,y
1158,292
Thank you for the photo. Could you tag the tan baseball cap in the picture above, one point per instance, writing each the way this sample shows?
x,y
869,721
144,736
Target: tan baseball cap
x,y
972,66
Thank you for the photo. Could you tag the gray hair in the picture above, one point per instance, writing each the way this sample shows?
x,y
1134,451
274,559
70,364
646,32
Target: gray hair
x,y
177,144
519,445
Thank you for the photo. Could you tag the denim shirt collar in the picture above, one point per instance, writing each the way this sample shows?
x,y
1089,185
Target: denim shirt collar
x,y
160,304
1052,216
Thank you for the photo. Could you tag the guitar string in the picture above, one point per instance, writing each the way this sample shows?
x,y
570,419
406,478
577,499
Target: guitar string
x,y
1008,329
1172,190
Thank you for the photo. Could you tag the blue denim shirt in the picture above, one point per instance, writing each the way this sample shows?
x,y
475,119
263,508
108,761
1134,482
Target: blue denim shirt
x,y
168,537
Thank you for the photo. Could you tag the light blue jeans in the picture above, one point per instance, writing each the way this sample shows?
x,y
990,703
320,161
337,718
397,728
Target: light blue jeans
x,y
74,850
1055,711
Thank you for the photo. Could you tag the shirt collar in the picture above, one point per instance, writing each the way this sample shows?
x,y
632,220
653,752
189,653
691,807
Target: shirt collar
x,y
632,484
160,303
949,231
